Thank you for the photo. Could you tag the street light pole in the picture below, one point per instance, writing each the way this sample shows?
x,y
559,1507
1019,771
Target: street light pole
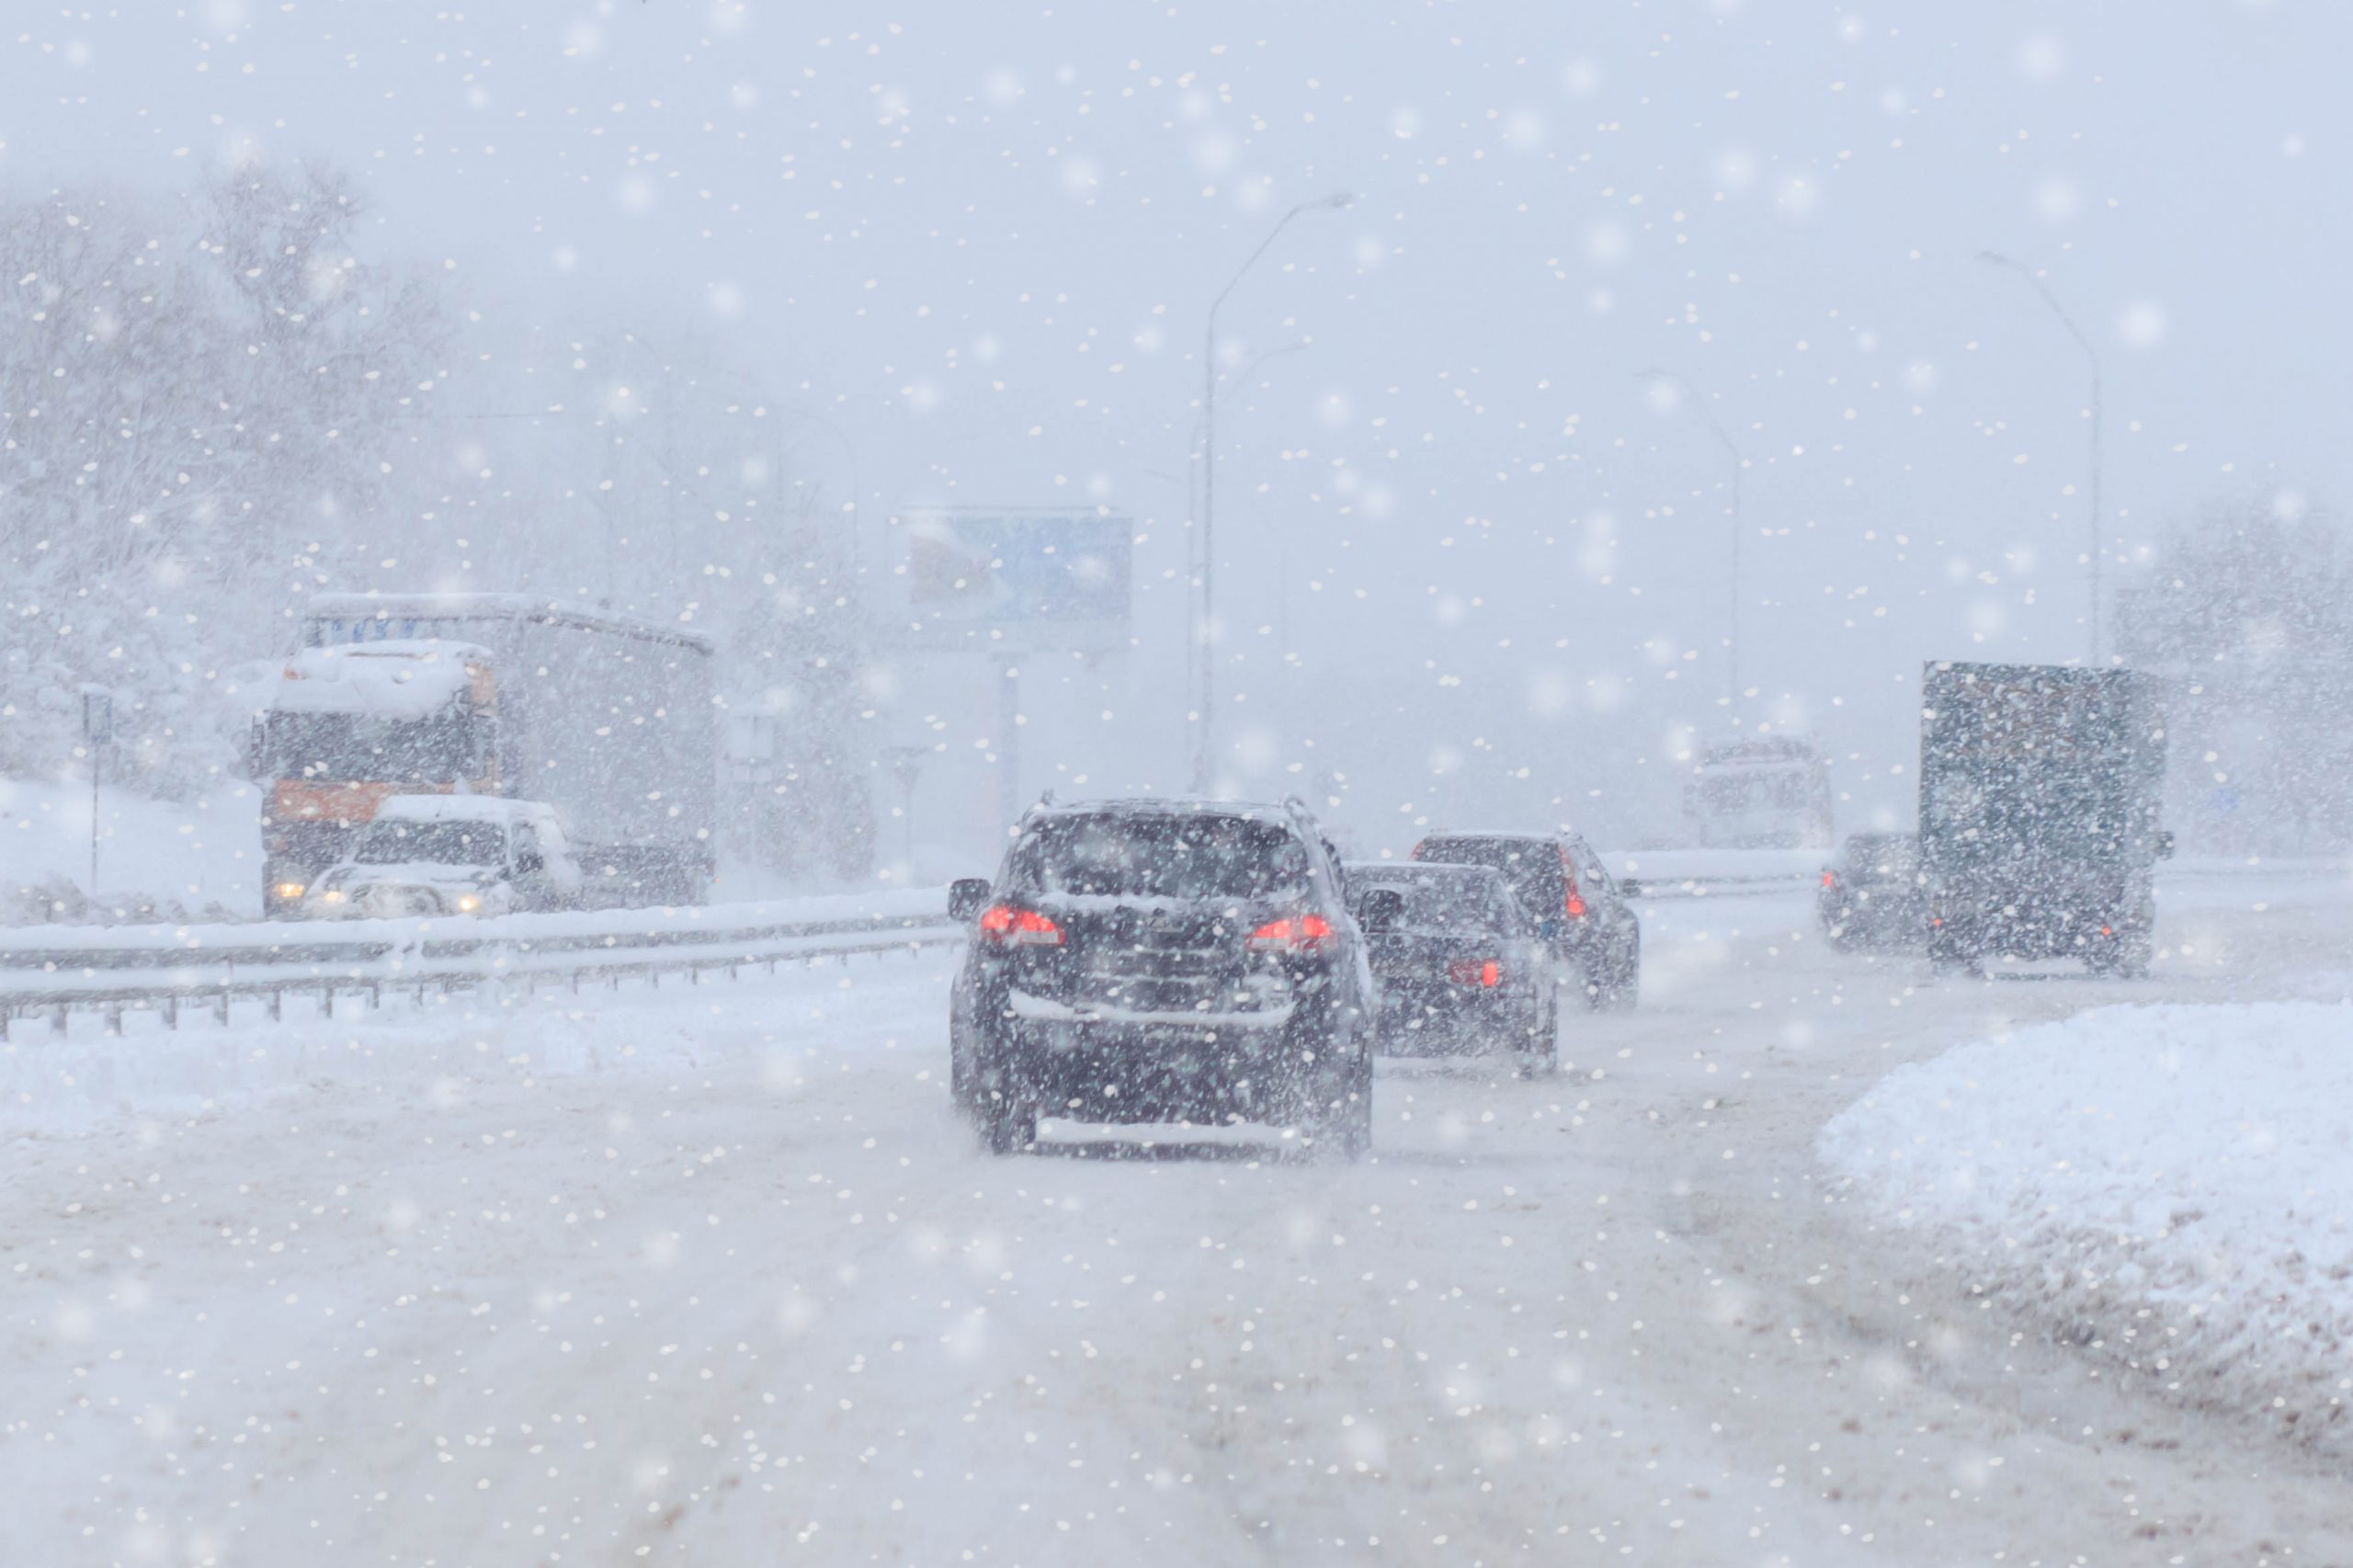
x,y
1731,592
2034,281
1204,627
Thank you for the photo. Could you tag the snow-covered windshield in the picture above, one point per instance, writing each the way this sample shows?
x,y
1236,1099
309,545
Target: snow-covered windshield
x,y
1150,855
340,746
443,843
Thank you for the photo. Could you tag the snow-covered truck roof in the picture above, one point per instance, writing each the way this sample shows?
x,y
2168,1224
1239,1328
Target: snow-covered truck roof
x,y
399,678
463,808
400,610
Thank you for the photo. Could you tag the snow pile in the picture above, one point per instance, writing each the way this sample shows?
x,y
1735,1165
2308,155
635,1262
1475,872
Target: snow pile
x,y
157,859
2170,1185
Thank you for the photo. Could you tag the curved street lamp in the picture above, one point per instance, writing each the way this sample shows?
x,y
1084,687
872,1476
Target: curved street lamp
x,y
1204,625
1731,586
2034,281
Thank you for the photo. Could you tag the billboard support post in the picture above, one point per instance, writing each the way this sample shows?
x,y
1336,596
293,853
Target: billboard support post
x,y
1009,745
98,732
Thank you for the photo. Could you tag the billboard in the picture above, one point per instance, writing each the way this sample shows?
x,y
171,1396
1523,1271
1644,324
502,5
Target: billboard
x,y
1014,582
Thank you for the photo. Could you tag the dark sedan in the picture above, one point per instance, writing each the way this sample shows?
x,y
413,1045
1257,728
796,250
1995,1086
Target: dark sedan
x,y
1459,961
1577,903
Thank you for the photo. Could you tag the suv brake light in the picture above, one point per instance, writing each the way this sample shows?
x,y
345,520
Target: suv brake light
x,y
1830,878
1302,934
1010,927
1572,904
1475,972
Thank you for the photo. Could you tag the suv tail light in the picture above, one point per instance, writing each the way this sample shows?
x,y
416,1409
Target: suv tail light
x,y
1298,934
1830,878
1009,927
1573,903
1486,972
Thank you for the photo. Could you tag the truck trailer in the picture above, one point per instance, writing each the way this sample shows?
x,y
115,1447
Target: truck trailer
x,y
2039,786
609,720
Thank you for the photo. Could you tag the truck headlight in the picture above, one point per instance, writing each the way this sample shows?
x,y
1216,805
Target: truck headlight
x,y
468,903
290,890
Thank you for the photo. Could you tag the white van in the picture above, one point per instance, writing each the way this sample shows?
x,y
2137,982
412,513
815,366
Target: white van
x,y
432,854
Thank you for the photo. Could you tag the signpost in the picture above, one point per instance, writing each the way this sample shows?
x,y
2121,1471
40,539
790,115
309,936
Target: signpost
x,y
907,762
97,733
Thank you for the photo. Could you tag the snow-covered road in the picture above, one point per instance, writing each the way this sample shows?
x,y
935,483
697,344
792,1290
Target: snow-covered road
x,y
711,1276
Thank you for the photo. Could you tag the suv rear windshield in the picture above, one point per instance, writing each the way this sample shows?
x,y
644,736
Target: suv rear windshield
x,y
441,842
1115,855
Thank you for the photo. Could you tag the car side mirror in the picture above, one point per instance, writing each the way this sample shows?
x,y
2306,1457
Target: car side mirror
x,y
1384,910
967,897
2165,844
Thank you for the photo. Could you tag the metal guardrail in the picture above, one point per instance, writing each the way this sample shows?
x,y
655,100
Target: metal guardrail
x,y
54,970
166,970
1744,886
119,976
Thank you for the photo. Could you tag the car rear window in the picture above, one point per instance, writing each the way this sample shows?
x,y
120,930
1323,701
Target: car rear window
x,y
1894,853
1116,854
1441,901
1532,866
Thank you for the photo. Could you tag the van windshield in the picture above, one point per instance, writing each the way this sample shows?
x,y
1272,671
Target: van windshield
x,y
441,842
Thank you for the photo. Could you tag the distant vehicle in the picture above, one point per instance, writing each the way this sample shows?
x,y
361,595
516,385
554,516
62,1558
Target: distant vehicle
x,y
2038,796
1154,961
437,855
1578,906
1873,894
1769,793
1460,962
608,719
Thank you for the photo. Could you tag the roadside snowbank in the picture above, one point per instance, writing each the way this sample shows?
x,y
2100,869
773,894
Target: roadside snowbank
x,y
200,855
61,1085
2172,1185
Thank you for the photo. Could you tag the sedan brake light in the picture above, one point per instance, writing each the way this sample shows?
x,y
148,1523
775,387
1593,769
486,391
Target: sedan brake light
x,y
1009,927
1295,934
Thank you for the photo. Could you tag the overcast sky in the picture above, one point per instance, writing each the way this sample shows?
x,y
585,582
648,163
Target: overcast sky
x,y
985,238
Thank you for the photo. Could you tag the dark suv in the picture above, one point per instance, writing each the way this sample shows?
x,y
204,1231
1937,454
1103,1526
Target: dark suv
x,y
1577,903
1164,960
1873,894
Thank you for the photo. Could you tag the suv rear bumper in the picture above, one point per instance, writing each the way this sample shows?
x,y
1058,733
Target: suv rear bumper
x,y
1120,1071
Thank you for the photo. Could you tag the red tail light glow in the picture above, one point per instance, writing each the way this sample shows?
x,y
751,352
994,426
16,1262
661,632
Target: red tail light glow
x,y
1010,927
1475,972
1829,879
1302,934
1572,903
